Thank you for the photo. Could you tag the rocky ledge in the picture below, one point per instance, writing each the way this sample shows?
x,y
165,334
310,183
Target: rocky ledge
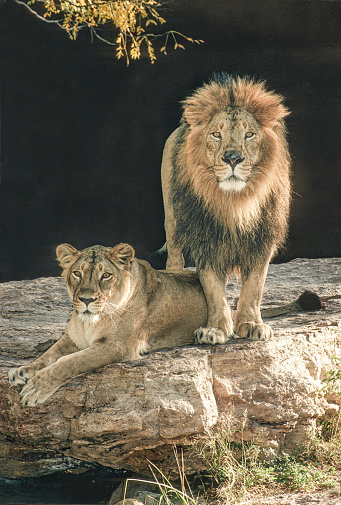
x,y
127,413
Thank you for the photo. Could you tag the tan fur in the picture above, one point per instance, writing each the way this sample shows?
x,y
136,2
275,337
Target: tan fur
x,y
246,204
137,310
272,165
122,309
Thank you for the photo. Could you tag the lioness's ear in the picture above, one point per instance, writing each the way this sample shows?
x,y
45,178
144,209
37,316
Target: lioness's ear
x,y
122,254
66,255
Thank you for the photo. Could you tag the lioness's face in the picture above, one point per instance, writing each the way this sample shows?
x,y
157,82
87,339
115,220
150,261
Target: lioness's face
x,y
233,139
97,278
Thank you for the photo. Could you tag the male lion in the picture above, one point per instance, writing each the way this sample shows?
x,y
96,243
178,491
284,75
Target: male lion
x,y
122,308
226,191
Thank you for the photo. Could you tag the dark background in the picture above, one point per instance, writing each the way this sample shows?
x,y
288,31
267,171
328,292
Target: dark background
x,y
82,134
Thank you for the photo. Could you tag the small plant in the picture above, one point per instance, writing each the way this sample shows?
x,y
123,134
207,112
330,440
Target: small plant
x,y
233,466
332,385
298,474
169,493
332,379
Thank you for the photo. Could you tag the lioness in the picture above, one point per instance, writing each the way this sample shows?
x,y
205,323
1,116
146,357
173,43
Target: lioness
x,y
122,308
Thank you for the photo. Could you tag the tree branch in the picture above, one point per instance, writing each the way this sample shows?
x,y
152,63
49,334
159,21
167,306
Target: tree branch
x,y
54,21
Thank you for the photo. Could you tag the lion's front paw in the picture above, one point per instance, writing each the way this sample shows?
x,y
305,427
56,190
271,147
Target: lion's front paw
x,y
19,376
210,335
255,331
37,390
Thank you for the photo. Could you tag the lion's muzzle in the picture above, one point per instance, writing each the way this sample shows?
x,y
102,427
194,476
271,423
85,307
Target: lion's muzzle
x,y
233,158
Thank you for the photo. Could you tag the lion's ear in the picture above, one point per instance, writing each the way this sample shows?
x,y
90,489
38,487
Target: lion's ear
x,y
66,255
123,254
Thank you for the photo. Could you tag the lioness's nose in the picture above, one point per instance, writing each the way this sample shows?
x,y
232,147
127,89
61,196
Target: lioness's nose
x,y
87,301
233,158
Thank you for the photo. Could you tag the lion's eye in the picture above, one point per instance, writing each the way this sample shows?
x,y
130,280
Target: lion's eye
x,y
216,135
77,273
249,135
106,275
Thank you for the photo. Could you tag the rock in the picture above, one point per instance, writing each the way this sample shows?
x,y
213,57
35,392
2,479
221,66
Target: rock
x,y
130,501
126,414
137,488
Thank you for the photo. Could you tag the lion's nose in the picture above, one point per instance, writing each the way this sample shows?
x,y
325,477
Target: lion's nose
x,y
87,301
233,158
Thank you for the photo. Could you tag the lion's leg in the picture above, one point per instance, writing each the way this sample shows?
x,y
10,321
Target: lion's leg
x,y
248,321
175,259
46,381
63,346
219,327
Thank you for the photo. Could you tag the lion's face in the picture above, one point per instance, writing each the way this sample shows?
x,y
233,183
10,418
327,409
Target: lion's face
x,y
233,139
97,278
232,152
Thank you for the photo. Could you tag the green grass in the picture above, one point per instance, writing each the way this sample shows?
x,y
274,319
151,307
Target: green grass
x,y
242,471
239,470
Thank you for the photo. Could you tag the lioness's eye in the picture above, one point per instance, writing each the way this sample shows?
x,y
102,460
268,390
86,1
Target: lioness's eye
x,y
106,275
77,273
249,135
216,135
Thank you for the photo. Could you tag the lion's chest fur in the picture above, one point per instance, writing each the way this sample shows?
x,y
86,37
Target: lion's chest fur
x,y
207,240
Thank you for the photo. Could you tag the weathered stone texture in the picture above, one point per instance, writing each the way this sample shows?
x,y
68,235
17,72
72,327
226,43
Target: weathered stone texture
x,y
125,413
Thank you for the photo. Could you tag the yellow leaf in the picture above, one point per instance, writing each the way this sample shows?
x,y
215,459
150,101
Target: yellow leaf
x,y
151,21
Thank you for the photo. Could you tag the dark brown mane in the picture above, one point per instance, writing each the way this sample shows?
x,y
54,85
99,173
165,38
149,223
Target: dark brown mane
x,y
231,229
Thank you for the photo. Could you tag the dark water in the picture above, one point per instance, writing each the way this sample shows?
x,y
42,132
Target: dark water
x,y
92,487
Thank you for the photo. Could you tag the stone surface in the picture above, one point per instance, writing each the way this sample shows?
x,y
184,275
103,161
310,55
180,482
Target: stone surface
x,y
127,413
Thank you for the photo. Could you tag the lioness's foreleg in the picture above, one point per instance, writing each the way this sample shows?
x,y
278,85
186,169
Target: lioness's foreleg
x,y
248,321
219,327
64,346
47,380
175,259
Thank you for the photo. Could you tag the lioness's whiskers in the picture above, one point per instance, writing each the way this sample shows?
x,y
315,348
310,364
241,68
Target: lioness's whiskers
x,y
112,312
118,306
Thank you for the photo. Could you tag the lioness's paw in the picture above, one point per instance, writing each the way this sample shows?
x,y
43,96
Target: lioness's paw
x,y
19,376
210,335
37,390
255,331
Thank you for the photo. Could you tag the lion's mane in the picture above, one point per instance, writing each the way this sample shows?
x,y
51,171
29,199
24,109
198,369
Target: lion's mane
x,y
229,230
